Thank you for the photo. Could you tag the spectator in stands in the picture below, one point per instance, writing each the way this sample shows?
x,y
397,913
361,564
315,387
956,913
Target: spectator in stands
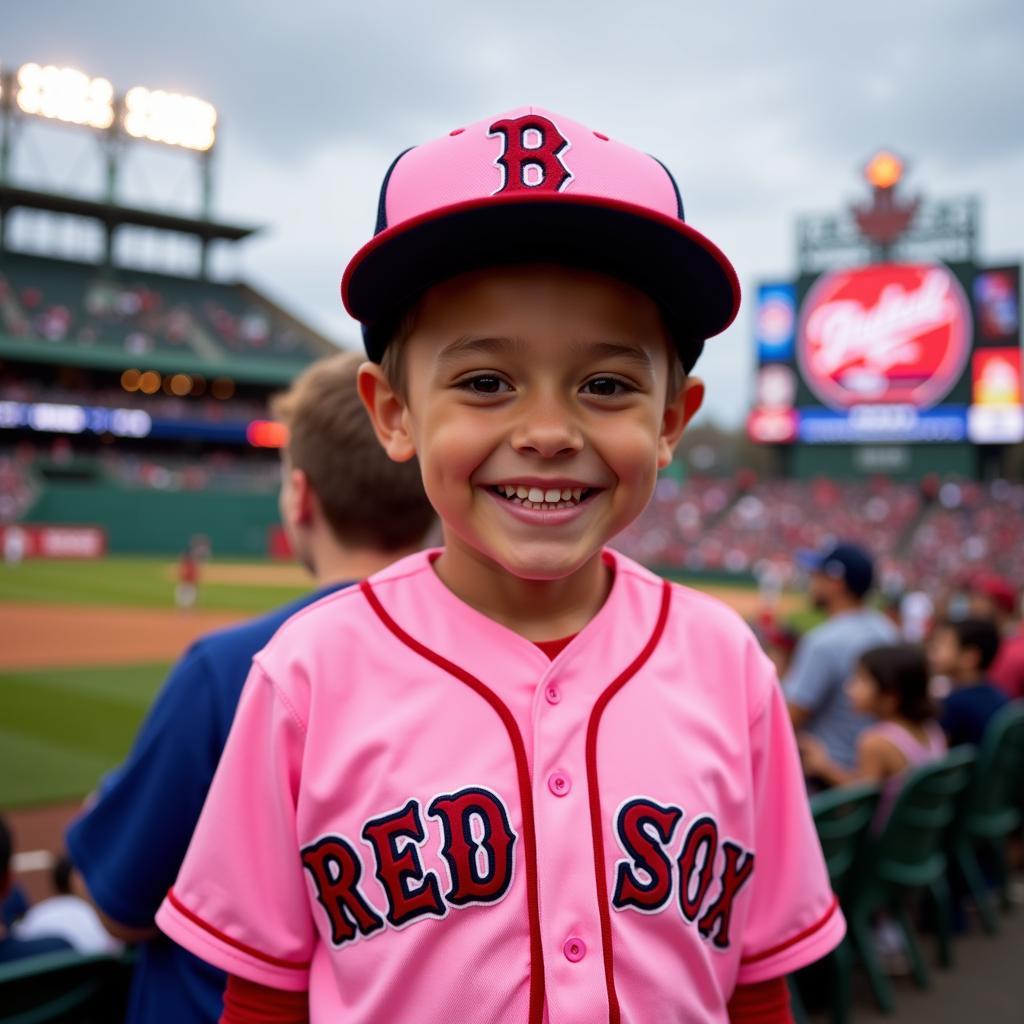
x,y
840,579
66,916
12,947
963,652
994,598
891,685
348,511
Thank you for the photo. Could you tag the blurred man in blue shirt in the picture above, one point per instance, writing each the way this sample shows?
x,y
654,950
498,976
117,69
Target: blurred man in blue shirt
x,y
840,579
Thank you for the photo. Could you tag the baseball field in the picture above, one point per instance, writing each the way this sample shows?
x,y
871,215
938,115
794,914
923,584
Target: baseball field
x,y
85,647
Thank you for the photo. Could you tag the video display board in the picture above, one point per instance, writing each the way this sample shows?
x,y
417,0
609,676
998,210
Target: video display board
x,y
909,352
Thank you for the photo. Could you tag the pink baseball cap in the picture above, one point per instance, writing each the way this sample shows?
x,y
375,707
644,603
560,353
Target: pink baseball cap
x,y
532,186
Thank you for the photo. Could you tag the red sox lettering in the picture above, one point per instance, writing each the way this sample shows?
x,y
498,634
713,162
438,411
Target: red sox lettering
x,y
531,156
644,881
474,824
478,847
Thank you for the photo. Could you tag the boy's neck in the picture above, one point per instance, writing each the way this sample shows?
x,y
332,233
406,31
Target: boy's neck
x,y
535,609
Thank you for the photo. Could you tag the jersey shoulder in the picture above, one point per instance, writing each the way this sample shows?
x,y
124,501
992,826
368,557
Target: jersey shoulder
x,y
705,630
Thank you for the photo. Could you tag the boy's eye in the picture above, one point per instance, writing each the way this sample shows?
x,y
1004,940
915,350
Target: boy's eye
x,y
607,387
484,384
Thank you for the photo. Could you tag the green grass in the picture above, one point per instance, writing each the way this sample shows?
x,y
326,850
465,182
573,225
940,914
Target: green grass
x,y
131,582
61,730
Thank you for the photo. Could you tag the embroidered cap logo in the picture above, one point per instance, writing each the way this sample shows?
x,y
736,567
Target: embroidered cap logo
x,y
531,156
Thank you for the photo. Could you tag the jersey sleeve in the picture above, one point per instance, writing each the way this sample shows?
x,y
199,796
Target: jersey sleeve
x,y
794,917
130,843
240,901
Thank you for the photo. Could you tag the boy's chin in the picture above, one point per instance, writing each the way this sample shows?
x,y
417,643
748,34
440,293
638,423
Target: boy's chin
x,y
546,565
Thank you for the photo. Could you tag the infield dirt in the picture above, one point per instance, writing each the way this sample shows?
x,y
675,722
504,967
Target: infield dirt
x,y
55,636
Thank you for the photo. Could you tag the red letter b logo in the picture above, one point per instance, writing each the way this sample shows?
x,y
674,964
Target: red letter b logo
x,y
531,155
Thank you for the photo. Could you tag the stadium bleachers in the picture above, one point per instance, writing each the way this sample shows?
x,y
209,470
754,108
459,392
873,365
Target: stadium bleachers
x,y
141,312
919,539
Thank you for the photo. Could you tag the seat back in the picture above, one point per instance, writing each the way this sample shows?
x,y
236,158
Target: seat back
x,y
993,802
843,819
64,988
909,850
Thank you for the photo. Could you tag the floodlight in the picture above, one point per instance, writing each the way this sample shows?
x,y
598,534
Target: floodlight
x,y
169,118
65,94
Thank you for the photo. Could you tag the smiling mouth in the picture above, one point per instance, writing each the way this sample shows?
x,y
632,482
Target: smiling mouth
x,y
541,497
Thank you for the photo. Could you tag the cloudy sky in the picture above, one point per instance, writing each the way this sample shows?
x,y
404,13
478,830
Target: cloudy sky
x,y
762,110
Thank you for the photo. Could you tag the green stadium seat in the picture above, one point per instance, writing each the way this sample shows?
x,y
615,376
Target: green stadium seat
x,y
992,809
906,858
843,819
65,988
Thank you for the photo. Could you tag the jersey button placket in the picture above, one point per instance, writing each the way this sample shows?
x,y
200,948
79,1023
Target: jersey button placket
x,y
570,924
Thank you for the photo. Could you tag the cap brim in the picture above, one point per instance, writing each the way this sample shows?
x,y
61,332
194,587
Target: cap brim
x,y
685,273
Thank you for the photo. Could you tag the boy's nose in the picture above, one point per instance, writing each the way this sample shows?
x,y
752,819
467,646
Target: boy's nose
x,y
547,432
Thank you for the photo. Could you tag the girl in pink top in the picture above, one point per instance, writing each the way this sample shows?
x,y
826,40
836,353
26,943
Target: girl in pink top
x,y
890,683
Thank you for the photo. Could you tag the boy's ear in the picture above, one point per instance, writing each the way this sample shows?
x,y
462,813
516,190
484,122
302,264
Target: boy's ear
x,y
386,411
303,498
678,413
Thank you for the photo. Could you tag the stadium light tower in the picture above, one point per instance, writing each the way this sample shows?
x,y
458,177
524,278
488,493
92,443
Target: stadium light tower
x,y
119,120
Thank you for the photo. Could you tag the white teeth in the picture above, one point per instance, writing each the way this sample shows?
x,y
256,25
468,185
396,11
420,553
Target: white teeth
x,y
537,497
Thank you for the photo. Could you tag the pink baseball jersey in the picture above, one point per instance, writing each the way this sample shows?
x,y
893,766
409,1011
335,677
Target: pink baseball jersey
x,y
422,819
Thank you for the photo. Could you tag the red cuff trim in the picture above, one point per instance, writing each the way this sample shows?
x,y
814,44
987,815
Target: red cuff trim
x,y
799,937
294,965
246,1002
766,1002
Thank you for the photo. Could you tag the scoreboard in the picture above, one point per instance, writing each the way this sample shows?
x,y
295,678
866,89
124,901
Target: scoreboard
x,y
909,353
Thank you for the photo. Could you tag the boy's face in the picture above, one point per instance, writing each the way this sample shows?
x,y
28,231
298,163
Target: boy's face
x,y
547,384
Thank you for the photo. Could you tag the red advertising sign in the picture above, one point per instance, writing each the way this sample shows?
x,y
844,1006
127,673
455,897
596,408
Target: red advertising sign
x,y
19,541
997,376
891,333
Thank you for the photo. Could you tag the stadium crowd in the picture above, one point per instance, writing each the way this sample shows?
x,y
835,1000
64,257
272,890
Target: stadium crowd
x,y
931,535
56,301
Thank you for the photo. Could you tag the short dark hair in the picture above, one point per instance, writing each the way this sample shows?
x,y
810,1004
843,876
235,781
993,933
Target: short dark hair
x,y
366,498
901,670
981,635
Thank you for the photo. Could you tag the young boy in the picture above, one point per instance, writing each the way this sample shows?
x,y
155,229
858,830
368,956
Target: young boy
x,y
963,652
519,778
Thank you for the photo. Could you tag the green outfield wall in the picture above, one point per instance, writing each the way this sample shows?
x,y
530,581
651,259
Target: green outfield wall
x,y
147,521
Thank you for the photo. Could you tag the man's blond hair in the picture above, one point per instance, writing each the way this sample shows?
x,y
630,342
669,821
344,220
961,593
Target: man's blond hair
x,y
368,500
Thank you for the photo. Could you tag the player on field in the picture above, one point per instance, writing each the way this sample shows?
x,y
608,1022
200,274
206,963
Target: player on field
x,y
348,511
520,777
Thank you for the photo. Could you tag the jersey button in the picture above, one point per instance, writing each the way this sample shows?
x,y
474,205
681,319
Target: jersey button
x,y
552,694
575,949
559,783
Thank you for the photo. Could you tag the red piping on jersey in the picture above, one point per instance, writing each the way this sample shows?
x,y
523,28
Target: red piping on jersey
x,y
799,937
525,792
596,818
292,965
